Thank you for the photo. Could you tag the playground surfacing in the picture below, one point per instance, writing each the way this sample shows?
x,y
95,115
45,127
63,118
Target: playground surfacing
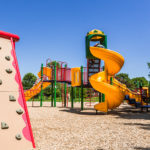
x,y
65,129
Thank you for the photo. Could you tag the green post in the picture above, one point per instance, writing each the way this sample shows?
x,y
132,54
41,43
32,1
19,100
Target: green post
x,y
65,94
75,92
79,93
100,97
72,97
65,89
103,95
52,98
111,80
105,41
55,84
41,102
81,87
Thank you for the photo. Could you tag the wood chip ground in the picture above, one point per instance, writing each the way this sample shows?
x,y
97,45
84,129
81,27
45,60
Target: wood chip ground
x,y
124,128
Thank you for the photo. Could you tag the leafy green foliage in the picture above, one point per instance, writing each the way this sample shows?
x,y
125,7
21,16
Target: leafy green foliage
x,y
53,64
47,91
149,68
131,83
28,80
141,80
124,78
148,65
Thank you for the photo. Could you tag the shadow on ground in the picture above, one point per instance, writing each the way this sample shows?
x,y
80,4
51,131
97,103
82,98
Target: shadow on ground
x,y
38,106
130,113
141,125
126,112
141,148
78,111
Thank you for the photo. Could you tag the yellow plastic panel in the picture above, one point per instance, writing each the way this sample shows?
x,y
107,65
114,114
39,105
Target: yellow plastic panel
x,y
46,71
75,76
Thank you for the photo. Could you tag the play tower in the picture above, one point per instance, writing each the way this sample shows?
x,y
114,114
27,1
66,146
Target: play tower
x,y
93,63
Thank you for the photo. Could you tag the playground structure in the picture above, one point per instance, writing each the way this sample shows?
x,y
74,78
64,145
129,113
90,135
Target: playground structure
x,y
59,72
100,80
50,75
16,132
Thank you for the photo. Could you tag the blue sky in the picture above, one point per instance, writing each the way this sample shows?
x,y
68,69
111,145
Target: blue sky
x,y
57,29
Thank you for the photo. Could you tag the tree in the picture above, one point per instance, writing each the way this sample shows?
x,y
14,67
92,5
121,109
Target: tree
x,y
148,68
140,80
28,80
131,83
47,91
53,64
124,78
148,65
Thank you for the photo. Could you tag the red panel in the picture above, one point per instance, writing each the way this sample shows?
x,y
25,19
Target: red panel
x,y
9,36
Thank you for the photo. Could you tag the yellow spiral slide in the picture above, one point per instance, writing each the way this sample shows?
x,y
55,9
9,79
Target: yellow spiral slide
x,y
37,86
115,92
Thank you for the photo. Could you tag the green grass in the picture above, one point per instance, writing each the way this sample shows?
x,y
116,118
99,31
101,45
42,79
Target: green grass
x,y
58,99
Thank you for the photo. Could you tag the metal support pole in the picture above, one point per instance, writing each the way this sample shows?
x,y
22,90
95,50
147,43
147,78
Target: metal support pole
x,y
111,80
79,93
100,97
82,88
72,105
55,84
103,95
65,89
52,98
75,92
41,102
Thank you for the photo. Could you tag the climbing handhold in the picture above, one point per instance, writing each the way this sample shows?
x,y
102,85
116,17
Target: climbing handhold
x,y
12,98
0,82
18,137
19,111
9,70
7,58
4,125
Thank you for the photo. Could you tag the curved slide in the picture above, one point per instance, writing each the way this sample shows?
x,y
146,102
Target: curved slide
x,y
37,86
115,92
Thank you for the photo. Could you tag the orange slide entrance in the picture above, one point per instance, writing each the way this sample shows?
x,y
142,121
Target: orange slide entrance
x,y
36,89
